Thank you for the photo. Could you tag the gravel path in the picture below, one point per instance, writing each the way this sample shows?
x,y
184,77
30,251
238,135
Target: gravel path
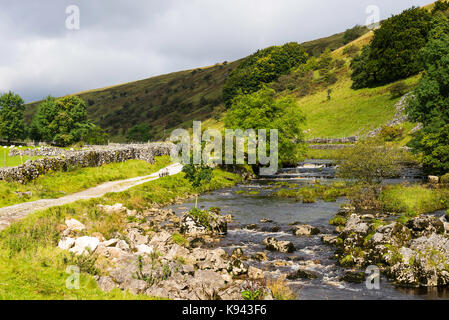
x,y
16,212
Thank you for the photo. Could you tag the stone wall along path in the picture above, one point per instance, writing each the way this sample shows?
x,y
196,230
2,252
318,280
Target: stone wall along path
x,y
9,215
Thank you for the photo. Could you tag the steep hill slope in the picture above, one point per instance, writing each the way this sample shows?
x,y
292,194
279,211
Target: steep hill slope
x,y
335,110
164,102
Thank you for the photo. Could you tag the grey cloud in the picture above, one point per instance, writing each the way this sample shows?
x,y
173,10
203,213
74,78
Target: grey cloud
x,y
128,40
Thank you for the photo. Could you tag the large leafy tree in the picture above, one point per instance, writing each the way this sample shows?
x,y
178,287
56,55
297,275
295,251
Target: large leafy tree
x,y
430,101
429,105
393,52
62,121
12,125
262,110
263,67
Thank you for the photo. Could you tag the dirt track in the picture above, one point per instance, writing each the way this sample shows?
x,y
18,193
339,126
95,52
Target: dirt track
x,y
16,212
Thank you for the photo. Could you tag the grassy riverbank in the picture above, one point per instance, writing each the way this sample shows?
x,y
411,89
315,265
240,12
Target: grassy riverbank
x,y
58,184
32,267
415,199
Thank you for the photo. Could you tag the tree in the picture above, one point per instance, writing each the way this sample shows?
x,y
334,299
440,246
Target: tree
x,y
429,105
261,110
95,135
261,68
12,125
393,52
435,149
430,99
139,133
197,174
440,6
62,121
370,161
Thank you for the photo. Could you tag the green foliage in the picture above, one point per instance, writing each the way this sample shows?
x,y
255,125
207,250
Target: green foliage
x,y
392,133
338,221
445,179
251,295
197,174
398,89
262,67
200,216
430,99
261,110
393,52
440,6
413,199
428,105
353,33
12,125
62,121
140,133
370,161
440,26
435,149
179,239
94,135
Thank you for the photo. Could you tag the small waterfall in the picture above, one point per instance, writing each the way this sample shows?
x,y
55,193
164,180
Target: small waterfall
x,y
327,169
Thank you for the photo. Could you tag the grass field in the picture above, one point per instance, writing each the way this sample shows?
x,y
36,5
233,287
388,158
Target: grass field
x,y
58,184
32,267
7,161
413,200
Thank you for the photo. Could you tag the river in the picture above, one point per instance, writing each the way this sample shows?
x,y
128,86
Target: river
x,y
251,202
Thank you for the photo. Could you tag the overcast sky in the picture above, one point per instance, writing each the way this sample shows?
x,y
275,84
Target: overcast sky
x,y
121,41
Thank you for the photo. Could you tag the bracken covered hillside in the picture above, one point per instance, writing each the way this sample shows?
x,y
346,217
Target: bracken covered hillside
x,y
164,102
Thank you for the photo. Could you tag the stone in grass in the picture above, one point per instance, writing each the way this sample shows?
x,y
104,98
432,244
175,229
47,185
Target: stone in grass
x,y
75,225
66,243
85,245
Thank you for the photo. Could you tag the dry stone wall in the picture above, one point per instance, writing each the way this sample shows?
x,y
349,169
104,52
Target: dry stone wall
x,y
62,160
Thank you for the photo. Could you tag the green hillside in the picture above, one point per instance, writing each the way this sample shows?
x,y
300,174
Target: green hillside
x,y
164,102
332,107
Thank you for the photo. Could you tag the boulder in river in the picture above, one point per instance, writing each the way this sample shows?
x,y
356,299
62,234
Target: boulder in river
x,y
425,226
305,230
200,222
282,246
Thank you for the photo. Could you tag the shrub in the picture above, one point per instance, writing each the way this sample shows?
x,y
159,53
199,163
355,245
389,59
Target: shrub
x,y
351,50
392,133
445,179
370,161
398,89
280,289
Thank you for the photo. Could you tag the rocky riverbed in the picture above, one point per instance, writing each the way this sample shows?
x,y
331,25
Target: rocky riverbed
x,y
151,257
252,239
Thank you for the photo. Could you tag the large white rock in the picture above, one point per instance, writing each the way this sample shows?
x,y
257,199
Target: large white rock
x,y
85,245
144,249
75,225
66,243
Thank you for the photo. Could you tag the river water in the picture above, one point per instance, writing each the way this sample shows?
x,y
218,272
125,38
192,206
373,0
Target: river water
x,y
251,202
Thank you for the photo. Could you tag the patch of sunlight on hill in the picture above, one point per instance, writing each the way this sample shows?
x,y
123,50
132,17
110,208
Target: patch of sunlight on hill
x,y
349,112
